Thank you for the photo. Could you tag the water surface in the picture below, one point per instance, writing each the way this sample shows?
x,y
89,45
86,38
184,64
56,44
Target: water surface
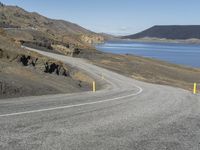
x,y
183,54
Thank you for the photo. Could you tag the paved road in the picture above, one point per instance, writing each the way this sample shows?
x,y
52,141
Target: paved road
x,y
125,114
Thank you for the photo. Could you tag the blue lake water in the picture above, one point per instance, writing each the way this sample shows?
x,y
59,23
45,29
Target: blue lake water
x,y
183,54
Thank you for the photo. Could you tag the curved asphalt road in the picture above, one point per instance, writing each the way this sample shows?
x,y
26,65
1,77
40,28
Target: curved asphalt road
x,y
125,114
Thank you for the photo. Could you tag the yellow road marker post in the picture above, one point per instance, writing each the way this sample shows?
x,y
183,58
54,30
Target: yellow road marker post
x,y
94,86
195,88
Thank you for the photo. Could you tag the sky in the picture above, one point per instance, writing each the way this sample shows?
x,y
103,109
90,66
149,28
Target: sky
x,y
117,17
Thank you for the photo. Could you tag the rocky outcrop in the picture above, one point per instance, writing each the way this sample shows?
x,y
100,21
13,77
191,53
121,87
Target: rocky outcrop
x,y
56,68
69,50
1,53
63,49
49,67
44,44
92,39
28,60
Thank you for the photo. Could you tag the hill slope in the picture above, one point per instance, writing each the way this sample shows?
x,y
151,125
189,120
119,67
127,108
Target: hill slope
x,y
169,32
13,16
25,73
31,27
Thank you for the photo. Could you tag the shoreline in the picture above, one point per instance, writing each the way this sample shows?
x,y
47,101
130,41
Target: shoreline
x,y
170,41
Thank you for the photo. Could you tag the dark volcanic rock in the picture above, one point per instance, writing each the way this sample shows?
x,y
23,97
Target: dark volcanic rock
x,y
28,60
1,53
24,60
55,68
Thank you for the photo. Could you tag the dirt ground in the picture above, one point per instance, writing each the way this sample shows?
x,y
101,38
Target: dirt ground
x,y
17,80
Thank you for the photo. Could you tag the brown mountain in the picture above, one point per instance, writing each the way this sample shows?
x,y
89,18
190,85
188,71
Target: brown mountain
x,y
34,29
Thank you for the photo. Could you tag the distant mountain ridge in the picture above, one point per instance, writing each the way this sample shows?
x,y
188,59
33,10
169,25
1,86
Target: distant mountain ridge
x,y
180,32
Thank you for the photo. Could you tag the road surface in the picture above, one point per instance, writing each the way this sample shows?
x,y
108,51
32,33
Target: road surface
x,y
124,114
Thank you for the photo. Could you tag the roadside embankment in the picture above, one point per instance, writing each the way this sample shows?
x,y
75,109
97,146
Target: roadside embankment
x,y
148,70
25,73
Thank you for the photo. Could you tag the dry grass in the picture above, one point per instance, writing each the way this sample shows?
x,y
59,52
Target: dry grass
x,y
148,70
82,77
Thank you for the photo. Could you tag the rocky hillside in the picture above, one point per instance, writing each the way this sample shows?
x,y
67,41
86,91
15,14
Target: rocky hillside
x,y
169,32
25,73
35,29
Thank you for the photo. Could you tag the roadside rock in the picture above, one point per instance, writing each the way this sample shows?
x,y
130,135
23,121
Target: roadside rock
x,y
63,49
91,39
28,60
1,53
55,68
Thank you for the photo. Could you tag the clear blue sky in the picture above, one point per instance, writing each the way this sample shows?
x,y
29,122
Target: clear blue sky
x,y
116,16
